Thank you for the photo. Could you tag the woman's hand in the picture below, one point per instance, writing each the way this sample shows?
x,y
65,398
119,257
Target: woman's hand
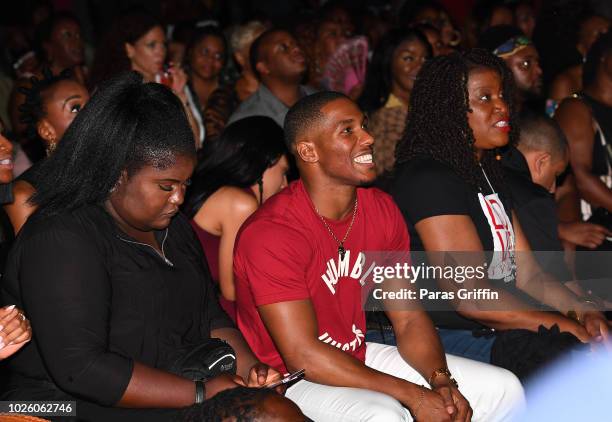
x,y
15,331
261,375
179,80
583,234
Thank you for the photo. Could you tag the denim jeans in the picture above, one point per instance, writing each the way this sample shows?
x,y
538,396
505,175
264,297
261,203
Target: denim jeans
x,y
455,342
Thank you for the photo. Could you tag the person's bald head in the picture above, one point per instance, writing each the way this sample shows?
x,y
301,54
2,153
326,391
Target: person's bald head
x,y
545,148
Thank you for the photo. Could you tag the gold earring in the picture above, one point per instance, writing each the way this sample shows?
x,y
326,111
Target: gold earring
x,y
51,147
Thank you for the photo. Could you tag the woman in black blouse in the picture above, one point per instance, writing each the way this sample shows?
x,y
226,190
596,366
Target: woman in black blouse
x,y
113,277
450,188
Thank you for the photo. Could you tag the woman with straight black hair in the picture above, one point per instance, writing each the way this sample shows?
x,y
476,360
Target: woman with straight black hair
x,y
238,172
386,95
134,41
111,275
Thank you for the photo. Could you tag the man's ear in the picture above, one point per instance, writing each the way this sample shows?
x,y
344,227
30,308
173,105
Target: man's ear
x,y
542,162
306,151
46,131
240,59
262,69
129,50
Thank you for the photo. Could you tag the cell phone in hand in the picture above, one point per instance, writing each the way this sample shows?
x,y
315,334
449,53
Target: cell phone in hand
x,y
291,377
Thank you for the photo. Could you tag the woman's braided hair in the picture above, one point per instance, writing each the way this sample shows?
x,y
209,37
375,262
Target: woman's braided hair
x,y
437,125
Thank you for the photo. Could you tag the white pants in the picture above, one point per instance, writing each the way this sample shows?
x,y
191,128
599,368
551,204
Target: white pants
x,y
493,393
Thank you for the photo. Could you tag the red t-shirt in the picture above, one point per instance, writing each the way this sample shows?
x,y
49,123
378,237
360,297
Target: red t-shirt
x,y
283,252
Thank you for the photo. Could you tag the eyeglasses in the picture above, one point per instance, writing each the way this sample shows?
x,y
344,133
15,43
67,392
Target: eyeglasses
x,y
512,45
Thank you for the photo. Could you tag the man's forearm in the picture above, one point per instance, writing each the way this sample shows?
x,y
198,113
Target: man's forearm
x,y
325,364
425,355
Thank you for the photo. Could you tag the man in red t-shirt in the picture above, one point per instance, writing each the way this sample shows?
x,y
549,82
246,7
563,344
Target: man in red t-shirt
x,y
298,263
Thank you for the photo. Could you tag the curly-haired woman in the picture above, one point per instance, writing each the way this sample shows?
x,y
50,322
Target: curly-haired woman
x,y
451,191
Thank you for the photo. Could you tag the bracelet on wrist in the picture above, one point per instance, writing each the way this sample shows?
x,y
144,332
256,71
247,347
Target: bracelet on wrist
x,y
200,392
439,372
419,404
578,314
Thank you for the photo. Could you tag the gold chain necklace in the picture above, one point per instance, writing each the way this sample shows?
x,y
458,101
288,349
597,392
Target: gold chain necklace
x,y
341,250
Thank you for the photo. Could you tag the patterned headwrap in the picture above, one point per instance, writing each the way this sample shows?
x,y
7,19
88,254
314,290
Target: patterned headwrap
x,y
512,46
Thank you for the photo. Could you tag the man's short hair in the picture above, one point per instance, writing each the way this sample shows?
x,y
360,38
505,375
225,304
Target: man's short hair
x,y
255,49
306,113
541,133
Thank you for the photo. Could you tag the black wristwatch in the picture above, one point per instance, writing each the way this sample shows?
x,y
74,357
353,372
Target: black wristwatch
x,y
200,392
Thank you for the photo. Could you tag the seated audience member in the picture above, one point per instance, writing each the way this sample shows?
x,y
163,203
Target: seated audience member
x,y
16,330
525,17
136,41
51,104
569,82
211,101
432,13
7,234
433,38
531,170
59,47
586,120
451,191
386,95
241,41
237,173
328,36
127,294
521,56
279,63
296,314
244,404
337,11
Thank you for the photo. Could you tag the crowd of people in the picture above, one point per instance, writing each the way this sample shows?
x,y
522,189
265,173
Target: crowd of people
x,y
191,191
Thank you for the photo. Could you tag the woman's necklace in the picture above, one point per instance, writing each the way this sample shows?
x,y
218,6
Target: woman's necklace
x,y
341,250
486,178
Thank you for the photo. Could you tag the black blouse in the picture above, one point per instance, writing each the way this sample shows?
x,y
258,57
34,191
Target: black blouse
x,y
98,301
426,188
